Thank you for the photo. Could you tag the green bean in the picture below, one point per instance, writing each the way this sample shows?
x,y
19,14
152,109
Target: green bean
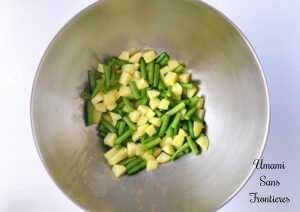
x,y
137,168
164,125
151,151
158,113
102,135
196,118
119,62
180,69
186,85
99,87
169,92
121,128
92,80
120,105
181,149
160,58
186,101
128,104
176,109
143,68
193,146
164,61
106,76
150,68
151,144
85,96
170,132
102,128
128,160
191,128
156,75
113,73
123,137
143,101
89,113
133,163
176,121
194,101
161,84
190,112
149,139
109,126
130,124
134,90
113,87
185,126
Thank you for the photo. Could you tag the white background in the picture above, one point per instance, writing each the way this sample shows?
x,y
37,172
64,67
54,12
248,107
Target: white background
x,y
27,27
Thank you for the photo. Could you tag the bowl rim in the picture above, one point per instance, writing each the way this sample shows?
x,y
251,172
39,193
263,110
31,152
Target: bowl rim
x,y
209,7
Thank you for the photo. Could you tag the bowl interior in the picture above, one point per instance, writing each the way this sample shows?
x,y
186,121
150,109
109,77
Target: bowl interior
x,y
216,53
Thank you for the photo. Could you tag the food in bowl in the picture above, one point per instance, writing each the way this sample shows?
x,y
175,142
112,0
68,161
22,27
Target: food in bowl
x,y
147,110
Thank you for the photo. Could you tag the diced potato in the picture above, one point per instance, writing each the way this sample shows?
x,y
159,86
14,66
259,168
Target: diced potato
x,y
111,107
135,57
148,156
129,68
125,91
136,66
142,84
96,116
154,103
170,79
107,117
177,89
110,139
178,141
200,103
163,158
142,121
201,113
114,116
191,92
150,114
169,149
143,109
152,165
153,94
137,74
118,170
125,78
135,136
124,55
98,98
155,121
164,104
100,107
203,142
173,64
198,126
164,70
185,77
149,56
134,115
100,68
157,151
183,112
182,132
110,153
109,98
165,141
121,155
139,151
131,149
142,129
151,130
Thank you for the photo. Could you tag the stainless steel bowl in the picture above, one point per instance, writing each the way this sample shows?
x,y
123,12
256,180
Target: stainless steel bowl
x,y
217,54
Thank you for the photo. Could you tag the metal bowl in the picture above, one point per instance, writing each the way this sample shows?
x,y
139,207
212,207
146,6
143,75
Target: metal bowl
x,y
217,54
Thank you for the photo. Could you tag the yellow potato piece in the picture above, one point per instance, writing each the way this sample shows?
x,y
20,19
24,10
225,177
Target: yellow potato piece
x,y
152,165
163,158
118,170
110,139
149,56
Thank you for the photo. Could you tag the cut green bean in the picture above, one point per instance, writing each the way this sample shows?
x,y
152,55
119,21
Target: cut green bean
x,y
123,137
134,90
143,68
190,112
169,92
176,109
151,144
92,80
170,132
128,160
121,128
149,139
133,163
181,149
156,75
196,118
89,113
130,124
151,151
113,72
191,128
119,62
102,135
99,87
85,96
186,85
113,87
164,125
161,57
158,113
180,69
193,145
137,168
150,68
103,129
128,104
185,126
194,101
164,61
109,126
106,76
176,121
161,84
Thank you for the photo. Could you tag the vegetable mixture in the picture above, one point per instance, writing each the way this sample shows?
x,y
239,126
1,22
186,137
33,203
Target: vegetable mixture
x,y
146,110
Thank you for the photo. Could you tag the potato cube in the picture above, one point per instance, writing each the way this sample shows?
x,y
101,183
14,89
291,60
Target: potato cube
x,y
170,79
163,158
153,94
200,103
173,64
135,136
185,77
100,68
134,115
182,132
114,117
203,142
157,151
129,68
165,141
136,66
198,126
121,155
118,170
139,151
110,153
151,130
177,89
110,139
142,84
116,93
169,149
200,113
143,109
125,91
150,114
142,121
155,121
142,129
109,98
148,156
178,141
154,103
125,78
96,116
135,57
152,165
164,104
164,70
131,149
149,56
111,107
100,107
124,55
191,92
183,112
98,98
